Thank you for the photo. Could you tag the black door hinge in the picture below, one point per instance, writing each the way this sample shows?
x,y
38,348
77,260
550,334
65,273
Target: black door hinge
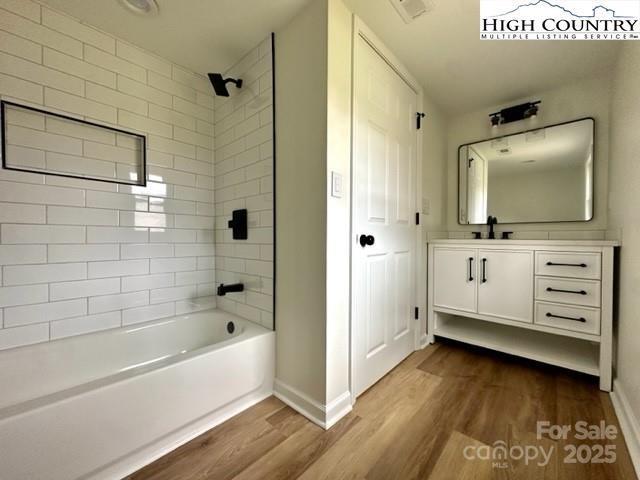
x,y
416,313
417,218
419,117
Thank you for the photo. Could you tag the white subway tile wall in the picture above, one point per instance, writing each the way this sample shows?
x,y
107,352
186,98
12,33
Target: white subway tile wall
x,y
77,256
244,179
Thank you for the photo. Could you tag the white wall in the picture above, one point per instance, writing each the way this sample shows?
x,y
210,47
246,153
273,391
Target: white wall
x,y
77,255
244,179
624,220
313,81
585,98
434,169
338,255
301,200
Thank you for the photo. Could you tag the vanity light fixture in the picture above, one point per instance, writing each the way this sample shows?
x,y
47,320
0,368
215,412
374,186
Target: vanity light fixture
x,y
142,7
515,113
532,111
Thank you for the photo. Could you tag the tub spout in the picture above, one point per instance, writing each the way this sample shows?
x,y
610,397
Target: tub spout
x,y
224,289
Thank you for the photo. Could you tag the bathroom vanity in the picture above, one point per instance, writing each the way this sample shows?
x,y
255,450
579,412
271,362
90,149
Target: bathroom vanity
x,y
547,300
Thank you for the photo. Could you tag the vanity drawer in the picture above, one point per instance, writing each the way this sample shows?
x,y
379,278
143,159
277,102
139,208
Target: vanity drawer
x,y
569,264
576,319
565,290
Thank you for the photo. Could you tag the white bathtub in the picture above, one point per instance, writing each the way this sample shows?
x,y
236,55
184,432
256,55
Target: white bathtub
x,y
105,404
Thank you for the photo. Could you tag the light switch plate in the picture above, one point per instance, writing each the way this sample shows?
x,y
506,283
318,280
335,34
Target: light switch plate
x,y
336,185
426,206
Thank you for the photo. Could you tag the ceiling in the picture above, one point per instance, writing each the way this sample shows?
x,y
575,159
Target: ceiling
x,y
442,48
462,73
202,35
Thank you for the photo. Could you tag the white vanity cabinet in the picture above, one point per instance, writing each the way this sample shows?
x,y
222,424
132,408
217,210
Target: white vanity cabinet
x,y
505,284
456,269
490,282
550,301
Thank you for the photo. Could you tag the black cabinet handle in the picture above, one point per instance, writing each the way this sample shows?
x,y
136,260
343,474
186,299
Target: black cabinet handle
x,y
577,292
366,240
484,270
581,319
581,265
471,269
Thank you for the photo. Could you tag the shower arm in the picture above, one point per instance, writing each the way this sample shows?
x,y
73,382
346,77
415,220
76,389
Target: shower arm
x,y
237,83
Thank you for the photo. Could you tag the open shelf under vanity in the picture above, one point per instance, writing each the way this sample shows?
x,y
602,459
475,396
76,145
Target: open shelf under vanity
x,y
572,353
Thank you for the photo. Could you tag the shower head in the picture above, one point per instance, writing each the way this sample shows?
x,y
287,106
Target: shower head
x,y
220,84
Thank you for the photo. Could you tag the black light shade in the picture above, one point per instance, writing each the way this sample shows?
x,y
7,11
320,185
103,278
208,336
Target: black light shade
x,y
532,111
220,84
515,113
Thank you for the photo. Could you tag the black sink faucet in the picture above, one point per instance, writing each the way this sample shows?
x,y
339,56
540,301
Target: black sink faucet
x,y
491,221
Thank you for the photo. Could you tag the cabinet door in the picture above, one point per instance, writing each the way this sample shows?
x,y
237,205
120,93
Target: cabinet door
x,y
505,284
454,277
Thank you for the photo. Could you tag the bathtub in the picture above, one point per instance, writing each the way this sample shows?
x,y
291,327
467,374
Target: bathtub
x,y
101,406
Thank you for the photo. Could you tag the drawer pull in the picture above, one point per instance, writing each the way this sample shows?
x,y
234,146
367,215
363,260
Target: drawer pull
x,y
577,292
471,269
581,319
552,264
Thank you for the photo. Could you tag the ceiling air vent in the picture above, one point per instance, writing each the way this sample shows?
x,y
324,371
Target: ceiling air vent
x,y
409,10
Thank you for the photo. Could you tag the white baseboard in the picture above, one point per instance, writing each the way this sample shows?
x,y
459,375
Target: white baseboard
x,y
337,409
424,341
629,423
324,416
300,402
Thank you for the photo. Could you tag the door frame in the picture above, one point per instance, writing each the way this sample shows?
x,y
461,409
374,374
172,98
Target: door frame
x,y
361,30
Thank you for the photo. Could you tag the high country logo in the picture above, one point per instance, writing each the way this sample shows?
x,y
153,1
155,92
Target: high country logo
x,y
560,20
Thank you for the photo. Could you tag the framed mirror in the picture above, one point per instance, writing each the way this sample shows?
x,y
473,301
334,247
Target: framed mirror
x,y
536,176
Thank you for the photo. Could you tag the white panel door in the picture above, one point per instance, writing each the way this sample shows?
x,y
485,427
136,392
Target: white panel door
x,y
384,178
455,278
505,287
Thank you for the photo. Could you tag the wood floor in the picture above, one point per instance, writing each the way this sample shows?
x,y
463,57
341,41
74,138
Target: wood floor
x,y
414,424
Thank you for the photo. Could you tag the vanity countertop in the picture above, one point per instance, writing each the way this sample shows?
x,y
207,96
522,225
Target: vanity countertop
x,y
557,243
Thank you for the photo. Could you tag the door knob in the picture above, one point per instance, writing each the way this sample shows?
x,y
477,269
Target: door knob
x,y
366,240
